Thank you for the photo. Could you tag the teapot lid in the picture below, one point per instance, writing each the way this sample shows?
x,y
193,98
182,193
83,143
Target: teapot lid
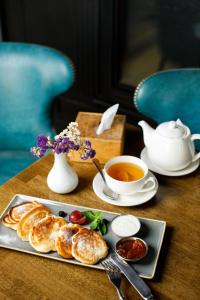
x,y
173,129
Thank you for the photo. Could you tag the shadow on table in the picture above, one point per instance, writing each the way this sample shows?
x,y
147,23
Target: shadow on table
x,y
84,182
162,260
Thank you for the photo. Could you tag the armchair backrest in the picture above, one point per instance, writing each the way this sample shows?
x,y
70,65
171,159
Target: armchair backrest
x,y
172,94
30,77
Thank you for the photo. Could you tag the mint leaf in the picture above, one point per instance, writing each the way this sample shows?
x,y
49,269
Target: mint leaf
x,y
94,224
89,215
98,215
103,228
92,215
96,221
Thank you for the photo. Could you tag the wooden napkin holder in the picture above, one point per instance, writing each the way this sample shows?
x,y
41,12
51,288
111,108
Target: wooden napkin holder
x,y
108,144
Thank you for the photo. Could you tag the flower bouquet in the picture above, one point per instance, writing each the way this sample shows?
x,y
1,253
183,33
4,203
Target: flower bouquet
x,y
67,141
62,178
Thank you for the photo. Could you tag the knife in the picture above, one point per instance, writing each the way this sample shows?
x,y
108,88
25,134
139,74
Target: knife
x,y
133,277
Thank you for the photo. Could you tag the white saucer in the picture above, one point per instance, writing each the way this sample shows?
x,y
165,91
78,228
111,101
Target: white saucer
x,y
189,169
131,200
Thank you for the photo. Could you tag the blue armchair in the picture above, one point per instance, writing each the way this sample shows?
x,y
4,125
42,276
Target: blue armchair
x,y
172,94
30,77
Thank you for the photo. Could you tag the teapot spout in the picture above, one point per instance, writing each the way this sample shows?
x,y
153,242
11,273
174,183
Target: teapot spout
x,y
147,132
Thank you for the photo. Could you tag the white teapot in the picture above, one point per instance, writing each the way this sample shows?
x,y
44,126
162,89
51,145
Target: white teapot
x,y
170,146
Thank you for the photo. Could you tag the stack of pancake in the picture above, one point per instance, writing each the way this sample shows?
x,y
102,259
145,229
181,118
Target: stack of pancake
x,y
46,232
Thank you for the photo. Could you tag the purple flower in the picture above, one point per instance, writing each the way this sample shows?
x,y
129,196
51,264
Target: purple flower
x,y
58,150
67,141
65,149
76,147
57,146
92,153
88,143
88,154
64,141
42,141
84,156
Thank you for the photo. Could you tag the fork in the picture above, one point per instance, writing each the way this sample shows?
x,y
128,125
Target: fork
x,y
114,275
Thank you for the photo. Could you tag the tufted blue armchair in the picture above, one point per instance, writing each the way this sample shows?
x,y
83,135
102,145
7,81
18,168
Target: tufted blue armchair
x,y
172,94
30,77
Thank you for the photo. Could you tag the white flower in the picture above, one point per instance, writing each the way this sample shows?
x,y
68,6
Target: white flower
x,y
71,132
57,137
72,124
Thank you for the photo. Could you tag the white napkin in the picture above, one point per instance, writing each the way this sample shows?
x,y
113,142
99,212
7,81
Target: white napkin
x,y
107,119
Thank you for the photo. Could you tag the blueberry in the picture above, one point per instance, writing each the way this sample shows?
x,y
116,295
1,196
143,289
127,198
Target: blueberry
x,y
62,214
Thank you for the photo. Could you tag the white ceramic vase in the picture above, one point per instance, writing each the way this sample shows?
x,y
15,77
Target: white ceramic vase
x,y
62,179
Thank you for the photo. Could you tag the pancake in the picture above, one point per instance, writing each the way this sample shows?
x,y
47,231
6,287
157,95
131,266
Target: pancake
x,y
8,222
8,219
88,246
43,234
63,242
17,211
29,219
11,219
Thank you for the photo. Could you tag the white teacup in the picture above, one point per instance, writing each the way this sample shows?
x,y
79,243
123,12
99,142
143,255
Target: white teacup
x,y
129,187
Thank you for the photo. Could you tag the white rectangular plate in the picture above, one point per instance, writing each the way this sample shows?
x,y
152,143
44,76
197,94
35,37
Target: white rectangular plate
x,y
152,231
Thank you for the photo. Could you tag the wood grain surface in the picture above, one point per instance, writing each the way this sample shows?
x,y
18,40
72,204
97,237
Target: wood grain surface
x,y
108,144
24,277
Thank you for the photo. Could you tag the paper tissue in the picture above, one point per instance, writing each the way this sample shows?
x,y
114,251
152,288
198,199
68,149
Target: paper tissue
x,y
107,119
105,131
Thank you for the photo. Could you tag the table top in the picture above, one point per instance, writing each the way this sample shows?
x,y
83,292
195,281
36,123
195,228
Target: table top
x,y
25,276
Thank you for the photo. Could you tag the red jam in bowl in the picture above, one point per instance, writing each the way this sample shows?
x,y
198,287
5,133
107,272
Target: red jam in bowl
x,y
132,249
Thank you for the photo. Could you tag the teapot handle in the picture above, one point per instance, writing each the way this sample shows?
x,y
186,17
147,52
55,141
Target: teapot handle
x,y
195,137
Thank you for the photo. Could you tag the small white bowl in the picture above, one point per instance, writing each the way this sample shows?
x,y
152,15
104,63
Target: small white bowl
x,y
125,225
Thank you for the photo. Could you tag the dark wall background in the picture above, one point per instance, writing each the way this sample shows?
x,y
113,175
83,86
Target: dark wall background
x,y
95,35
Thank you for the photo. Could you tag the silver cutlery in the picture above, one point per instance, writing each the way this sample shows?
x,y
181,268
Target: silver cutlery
x,y
114,275
106,190
137,282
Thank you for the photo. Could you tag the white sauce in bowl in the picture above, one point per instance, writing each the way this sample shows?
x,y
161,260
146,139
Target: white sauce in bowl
x,y
125,225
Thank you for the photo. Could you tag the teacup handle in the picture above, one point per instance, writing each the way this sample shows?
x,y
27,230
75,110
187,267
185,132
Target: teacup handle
x,y
195,137
152,179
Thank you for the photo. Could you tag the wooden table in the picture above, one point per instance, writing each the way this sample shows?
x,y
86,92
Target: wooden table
x,y
27,277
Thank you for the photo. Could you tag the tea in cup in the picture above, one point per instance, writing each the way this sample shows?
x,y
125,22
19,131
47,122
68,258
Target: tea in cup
x,y
127,175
